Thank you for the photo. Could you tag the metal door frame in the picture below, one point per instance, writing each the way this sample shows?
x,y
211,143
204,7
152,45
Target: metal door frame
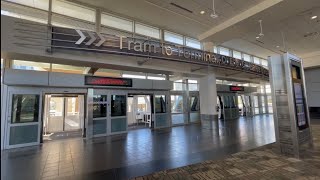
x,y
11,91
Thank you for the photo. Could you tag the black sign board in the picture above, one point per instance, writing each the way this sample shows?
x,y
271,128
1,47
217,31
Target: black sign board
x,y
107,81
236,88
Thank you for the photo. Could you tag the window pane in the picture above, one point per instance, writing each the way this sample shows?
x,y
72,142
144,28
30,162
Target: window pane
x,y
73,10
68,69
193,87
264,62
116,22
174,38
156,78
160,103
30,65
224,51
193,43
236,54
107,73
268,88
247,57
179,86
194,103
256,110
118,105
147,31
99,106
215,49
40,4
25,108
256,60
270,109
134,76
176,104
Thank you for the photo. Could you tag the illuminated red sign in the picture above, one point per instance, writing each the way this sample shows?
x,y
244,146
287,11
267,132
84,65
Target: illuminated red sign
x,y
107,81
236,88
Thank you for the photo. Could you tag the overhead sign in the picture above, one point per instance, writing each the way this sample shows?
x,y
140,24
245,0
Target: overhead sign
x,y
236,88
107,81
106,43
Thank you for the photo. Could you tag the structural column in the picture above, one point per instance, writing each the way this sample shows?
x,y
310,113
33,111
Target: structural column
x,y
208,102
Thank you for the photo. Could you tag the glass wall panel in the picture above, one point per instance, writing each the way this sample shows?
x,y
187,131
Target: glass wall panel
x,y
118,105
264,62
115,22
194,104
68,69
176,104
147,30
30,65
215,49
25,108
224,51
99,106
172,37
256,60
160,104
193,43
73,10
236,54
246,57
40,4
268,88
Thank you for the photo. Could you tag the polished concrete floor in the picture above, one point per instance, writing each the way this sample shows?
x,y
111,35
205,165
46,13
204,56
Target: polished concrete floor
x,y
137,153
260,163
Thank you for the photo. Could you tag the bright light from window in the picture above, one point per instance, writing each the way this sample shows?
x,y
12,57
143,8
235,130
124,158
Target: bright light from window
x,y
156,78
134,76
172,37
147,31
193,43
115,22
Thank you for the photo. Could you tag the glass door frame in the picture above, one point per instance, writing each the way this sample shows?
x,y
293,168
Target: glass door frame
x,y
193,94
9,124
185,107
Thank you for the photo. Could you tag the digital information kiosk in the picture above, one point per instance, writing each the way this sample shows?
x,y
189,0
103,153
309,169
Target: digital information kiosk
x,y
290,107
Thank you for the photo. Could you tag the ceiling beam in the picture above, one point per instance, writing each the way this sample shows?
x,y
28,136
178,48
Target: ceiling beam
x,y
238,18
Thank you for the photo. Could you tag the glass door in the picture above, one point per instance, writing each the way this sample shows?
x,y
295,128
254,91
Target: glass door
x,y
161,109
23,119
118,112
177,110
56,115
194,107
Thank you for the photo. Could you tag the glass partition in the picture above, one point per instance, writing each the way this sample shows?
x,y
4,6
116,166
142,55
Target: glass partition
x,y
236,54
160,103
118,105
25,108
246,57
99,106
224,51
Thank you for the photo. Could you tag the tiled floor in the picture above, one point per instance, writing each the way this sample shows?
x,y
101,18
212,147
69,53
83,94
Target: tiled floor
x,y
259,163
137,153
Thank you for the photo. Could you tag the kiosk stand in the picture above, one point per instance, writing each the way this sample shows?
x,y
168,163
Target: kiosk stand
x,y
290,107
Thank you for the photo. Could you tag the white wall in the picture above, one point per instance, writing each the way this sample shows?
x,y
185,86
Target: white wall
x,y
312,78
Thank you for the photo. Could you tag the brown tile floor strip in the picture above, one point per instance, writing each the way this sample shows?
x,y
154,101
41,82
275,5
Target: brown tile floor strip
x,y
260,163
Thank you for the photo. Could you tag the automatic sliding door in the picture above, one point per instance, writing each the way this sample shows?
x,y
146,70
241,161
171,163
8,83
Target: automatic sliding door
x,y
118,114
56,115
177,110
72,114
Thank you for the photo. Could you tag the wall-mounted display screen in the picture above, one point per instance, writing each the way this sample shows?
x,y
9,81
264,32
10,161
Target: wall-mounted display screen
x,y
300,107
107,81
236,88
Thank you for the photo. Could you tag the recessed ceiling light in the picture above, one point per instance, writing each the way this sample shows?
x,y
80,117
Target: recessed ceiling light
x,y
257,37
277,46
202,12
314,17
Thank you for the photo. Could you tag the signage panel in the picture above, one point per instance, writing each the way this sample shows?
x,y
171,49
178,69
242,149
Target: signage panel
x,y
236,88
105,43
107,81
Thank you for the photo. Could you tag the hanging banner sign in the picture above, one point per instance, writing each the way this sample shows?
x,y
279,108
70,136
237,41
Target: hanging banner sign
x,y
105,43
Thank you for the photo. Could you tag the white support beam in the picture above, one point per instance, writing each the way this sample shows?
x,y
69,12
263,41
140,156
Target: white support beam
x,y
238,18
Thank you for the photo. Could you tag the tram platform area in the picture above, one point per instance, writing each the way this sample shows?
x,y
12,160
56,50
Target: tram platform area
x,y
259,163
141,152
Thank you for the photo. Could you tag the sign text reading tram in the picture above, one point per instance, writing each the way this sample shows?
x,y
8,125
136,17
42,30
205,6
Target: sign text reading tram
x,y
167,50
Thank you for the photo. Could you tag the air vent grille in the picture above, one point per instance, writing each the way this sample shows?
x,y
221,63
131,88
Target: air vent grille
x,y
182,8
